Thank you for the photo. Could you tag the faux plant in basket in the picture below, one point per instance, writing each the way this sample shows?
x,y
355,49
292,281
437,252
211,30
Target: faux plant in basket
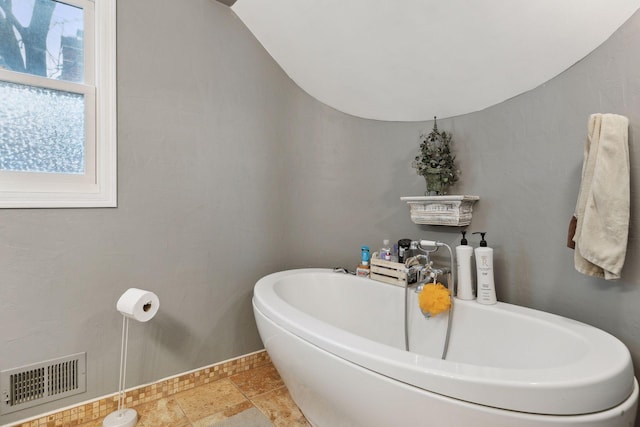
x,y
435,161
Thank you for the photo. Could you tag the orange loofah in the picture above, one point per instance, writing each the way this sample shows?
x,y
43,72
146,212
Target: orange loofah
x,y
434,299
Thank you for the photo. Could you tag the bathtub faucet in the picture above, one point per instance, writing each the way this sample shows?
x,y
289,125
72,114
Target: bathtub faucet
x,y
427,269
428,274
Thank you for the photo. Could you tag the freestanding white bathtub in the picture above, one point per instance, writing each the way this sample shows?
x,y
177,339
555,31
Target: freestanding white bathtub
x,y
338,342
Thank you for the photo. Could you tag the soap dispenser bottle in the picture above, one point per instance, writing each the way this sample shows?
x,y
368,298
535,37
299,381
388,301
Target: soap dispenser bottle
x,y
464,253
484,270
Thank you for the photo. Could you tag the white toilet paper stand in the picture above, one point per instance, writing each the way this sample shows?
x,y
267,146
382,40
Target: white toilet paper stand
x,y
122,417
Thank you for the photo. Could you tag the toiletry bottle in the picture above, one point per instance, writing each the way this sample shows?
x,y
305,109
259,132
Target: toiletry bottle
x,y
385,250
364,268
484,269
464,253
403,247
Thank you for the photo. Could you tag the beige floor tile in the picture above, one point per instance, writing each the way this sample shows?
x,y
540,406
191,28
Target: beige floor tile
x,y
162,412
220,416
278,406
93,423
209,399
258,381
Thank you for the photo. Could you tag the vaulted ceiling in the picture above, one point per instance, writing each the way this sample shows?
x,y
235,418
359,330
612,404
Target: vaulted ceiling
x,y
409,60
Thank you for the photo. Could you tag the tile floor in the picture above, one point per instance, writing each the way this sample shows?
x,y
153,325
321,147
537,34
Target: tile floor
x,y
211,404
242,392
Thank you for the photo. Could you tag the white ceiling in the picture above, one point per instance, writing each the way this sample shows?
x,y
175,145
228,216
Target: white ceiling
x,y
410,60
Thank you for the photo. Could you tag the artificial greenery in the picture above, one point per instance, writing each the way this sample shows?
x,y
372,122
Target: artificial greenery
x,y
435,161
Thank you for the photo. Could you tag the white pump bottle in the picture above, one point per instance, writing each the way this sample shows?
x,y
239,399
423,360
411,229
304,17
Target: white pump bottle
x,y
464,253
484,270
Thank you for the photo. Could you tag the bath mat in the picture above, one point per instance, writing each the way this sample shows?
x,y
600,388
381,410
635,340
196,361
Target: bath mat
x,y
250,418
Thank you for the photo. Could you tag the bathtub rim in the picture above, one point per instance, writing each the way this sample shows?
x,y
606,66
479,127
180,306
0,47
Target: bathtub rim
x,y
522,390
627,408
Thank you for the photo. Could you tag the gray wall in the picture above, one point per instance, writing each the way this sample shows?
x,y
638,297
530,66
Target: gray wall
x,y
228,171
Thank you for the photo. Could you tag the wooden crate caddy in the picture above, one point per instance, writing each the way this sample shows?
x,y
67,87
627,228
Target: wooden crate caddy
x,y
393,273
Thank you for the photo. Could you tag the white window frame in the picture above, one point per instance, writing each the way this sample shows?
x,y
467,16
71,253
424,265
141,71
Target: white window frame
x,y
97,187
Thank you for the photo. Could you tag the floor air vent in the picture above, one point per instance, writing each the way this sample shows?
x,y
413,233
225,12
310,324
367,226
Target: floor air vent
x,y
43,382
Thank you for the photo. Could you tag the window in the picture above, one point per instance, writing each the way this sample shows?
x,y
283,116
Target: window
x,y
57,103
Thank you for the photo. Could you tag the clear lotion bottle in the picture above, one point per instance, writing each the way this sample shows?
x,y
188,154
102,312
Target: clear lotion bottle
x,y
484,270
464,253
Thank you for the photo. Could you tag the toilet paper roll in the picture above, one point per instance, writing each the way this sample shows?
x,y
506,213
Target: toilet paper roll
x,y
138,304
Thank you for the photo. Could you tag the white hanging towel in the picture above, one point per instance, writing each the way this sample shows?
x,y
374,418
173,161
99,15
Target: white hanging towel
x,y
602,210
